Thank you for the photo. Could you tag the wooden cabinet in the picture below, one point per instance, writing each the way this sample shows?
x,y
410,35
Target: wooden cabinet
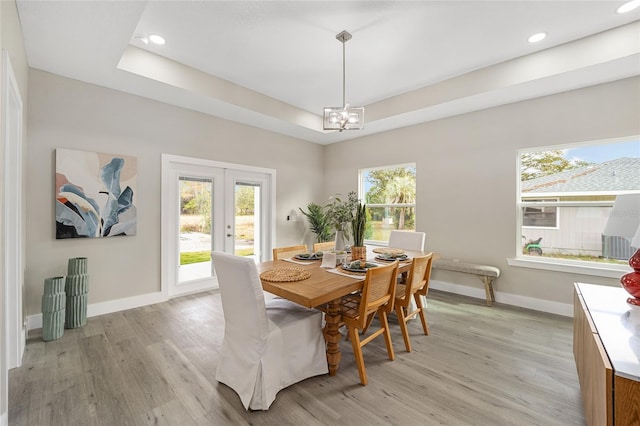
x,y
594,370
603,340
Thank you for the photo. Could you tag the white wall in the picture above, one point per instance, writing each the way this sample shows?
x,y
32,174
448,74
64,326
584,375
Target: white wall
x,y
65,113
466,175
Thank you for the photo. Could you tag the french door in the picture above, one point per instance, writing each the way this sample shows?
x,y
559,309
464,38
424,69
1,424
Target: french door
x,y
212,206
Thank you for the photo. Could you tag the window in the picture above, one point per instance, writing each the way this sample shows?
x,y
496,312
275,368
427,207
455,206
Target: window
x,y
535,216
390,195
566,198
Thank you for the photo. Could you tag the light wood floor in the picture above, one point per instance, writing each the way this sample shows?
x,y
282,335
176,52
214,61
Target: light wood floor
x,y
156,365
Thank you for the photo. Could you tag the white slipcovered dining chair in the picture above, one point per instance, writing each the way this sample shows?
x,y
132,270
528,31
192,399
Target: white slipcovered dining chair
x,y
267,346
408,240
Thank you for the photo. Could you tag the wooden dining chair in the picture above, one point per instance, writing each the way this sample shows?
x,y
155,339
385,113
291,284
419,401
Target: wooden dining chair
x,y
377,296
285,252
329,245
417,285
407,240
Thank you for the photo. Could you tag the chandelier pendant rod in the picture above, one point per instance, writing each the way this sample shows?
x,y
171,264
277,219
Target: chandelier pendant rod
x,y
344,78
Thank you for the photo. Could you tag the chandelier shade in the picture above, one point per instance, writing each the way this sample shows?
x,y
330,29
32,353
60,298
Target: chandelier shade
x,y
345,117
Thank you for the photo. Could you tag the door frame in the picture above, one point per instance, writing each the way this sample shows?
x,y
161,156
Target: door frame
x,y
172,165
12,107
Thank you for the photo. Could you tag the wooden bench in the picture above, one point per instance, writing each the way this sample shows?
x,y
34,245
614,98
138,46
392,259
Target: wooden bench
x,y
486,273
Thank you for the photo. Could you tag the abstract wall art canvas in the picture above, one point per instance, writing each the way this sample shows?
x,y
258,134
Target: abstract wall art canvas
x,y
95,194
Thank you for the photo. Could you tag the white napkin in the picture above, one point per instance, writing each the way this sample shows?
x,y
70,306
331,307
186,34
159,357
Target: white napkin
x,y
328,260
288,259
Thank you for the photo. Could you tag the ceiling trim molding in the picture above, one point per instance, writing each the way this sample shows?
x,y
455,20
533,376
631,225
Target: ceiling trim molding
x,y
603,57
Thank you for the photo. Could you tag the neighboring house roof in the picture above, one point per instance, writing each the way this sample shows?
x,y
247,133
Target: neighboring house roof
x,y
612,177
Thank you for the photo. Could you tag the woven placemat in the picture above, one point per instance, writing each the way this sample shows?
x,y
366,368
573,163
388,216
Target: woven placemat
x,y
389,250
283,275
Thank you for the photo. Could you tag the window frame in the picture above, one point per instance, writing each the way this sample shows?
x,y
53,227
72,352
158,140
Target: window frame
x,y
608,270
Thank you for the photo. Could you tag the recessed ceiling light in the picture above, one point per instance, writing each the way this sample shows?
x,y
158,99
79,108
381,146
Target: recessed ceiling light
x,y
629,6
156,39
537,37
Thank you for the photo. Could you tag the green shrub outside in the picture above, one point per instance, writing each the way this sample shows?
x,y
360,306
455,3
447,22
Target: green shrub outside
x,y
187,258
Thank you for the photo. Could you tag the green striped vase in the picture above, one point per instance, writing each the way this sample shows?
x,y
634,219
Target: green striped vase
x,y
76,289
77,265
53,308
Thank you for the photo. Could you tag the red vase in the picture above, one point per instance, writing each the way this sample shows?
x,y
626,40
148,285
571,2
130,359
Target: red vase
x,y
631,281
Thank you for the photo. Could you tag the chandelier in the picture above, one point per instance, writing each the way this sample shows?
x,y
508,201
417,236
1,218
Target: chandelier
x,y
345,117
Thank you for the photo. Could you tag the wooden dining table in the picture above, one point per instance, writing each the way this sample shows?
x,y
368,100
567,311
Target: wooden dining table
x,y
325,290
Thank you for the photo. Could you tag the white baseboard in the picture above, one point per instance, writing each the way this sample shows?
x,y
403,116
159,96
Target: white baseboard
x,y
95,309
4,419
557,308
191,289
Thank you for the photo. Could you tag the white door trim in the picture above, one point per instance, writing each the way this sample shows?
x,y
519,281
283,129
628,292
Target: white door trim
x,y
13,244
172,166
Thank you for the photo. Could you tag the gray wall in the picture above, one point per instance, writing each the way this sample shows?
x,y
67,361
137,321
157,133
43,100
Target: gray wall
x,y
466,175
66,113
466,169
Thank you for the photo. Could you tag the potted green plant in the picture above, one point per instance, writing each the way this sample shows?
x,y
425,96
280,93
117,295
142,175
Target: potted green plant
x,y
340,214
318,222
359,226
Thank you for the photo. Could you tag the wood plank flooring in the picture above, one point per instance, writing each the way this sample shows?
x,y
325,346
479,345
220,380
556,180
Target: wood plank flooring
x,y
156,365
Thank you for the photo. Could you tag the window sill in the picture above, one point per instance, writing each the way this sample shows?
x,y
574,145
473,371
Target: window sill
x,y
584,268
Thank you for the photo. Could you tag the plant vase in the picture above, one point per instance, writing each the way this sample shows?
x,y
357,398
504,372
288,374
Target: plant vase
x,y
359,253
358,224
339,244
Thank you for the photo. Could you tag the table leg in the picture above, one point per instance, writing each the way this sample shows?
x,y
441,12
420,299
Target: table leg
x,y
332,335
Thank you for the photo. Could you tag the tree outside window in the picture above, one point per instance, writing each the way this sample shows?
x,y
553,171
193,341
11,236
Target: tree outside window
x,y
390,195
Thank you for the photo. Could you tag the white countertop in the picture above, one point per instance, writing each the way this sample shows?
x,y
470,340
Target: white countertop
x,y
618,324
